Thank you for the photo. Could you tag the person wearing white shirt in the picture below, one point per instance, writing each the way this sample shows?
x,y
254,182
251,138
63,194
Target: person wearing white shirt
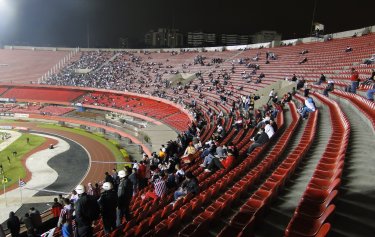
x,y
269,129
309,107
271,95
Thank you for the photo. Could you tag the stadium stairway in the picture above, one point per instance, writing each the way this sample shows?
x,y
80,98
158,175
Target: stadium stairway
x,y
276,219
355,206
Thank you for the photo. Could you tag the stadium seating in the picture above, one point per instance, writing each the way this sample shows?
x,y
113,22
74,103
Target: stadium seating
x,y
42,94
244,193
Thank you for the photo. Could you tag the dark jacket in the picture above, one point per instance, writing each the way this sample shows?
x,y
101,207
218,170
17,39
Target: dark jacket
x,y
262,139
13,224
28,224
191,186
134,179
36,218
81,207
108,204
125,192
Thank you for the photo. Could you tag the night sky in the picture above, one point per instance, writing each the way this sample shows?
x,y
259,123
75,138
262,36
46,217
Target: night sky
x,y
66,22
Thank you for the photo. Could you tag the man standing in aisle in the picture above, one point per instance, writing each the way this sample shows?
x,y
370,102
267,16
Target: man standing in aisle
x,y
86,210
108,205
124,194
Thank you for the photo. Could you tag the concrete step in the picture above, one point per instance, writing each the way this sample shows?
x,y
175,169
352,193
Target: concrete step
x,y
280,213
355,205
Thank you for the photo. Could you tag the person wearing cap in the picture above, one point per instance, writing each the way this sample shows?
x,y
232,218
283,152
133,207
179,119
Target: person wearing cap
x,y
124,194
82,206
108,204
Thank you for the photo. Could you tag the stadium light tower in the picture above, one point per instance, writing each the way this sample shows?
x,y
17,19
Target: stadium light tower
x,y
313,17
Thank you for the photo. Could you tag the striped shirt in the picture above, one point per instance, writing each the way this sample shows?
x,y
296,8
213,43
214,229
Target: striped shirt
x,y
66,215
160,187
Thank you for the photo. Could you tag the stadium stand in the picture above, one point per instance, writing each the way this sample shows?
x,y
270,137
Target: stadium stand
x,y
298,184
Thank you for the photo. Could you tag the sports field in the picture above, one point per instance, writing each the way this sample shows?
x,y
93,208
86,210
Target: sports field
x,y
11,157
120,154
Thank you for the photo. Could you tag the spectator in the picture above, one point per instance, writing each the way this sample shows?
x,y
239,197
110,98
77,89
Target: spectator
x,y
108,203
294,77
36,218
354,79
142,180
304,60
190,185
269,129
125,194
220,163
115,178
300,83
262,139
29,225
308,107
108,178
221,151
85,210
322,79
330,87
66,219
211,155
73,197
180,174
171,179
56,208
370,93
61,200
371,79
271,95
134,179
369,61
13,224
348,49
190,150
160,187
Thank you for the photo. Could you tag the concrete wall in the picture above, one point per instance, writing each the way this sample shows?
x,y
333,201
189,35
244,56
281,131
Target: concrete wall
x,y
281,88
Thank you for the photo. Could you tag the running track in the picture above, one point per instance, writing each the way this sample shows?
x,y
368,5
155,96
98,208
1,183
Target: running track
x,y
97,151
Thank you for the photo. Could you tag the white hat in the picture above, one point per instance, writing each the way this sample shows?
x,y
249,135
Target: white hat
x,y
163,149
80,189
107,186
121,174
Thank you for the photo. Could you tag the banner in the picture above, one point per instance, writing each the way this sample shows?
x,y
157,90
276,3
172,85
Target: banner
x,y
48,233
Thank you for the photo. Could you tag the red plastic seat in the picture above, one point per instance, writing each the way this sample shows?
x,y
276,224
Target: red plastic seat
x,y
305,227
185,211
323,232
229,231
313,209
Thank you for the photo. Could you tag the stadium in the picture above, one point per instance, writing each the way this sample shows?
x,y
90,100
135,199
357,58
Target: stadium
x,y
263,139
